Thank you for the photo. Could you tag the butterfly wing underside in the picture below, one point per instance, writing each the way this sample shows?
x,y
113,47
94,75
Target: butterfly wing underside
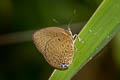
x,y
56,45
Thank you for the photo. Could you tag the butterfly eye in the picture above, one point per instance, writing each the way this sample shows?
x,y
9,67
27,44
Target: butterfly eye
x,y
64,65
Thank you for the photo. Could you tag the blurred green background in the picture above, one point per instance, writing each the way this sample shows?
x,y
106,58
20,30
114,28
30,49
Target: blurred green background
x,y
20,60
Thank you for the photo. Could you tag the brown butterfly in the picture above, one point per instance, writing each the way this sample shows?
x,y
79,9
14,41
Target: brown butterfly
x,y
56,45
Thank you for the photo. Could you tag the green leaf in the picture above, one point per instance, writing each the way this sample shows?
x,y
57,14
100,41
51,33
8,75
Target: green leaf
x,y
99,30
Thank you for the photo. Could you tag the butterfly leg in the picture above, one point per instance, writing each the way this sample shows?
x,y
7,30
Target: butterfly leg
x,y
75,36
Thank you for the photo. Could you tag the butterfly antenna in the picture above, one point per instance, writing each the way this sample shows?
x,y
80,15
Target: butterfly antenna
x,y
68,26
54,20
74,12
